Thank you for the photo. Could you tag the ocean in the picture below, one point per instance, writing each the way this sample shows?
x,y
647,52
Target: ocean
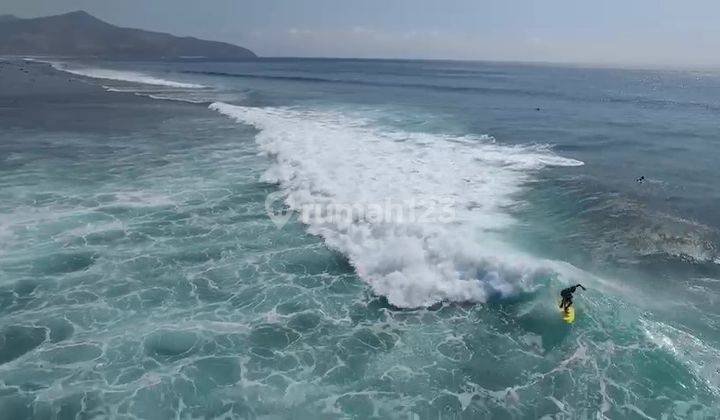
x,y
330,238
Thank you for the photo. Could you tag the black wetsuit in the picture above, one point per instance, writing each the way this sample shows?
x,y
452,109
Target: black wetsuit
x,y
567,295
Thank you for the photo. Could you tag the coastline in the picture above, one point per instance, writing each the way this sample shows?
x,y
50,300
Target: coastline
x,y
37,95
22,78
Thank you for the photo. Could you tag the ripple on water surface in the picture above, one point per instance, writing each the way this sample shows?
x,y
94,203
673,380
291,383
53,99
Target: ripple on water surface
x,y
162,291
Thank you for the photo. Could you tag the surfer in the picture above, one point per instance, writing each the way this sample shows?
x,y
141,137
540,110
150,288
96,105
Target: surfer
x,y
567,295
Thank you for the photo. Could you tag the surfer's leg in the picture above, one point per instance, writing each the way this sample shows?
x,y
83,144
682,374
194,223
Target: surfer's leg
x,y
566,302
566,297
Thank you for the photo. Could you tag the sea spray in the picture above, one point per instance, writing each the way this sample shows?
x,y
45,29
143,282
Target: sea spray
x,y
327,161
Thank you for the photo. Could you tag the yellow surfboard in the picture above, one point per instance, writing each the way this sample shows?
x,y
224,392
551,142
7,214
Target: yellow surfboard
x,y
568,316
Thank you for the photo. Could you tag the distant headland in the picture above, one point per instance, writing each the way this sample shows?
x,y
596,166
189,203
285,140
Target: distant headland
x,y
80,34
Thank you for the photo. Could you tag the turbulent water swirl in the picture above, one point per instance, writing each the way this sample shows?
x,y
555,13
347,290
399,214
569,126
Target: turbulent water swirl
x,y
330,159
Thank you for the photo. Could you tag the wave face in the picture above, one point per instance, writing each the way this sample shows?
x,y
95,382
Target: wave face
x,y
331,160
124,76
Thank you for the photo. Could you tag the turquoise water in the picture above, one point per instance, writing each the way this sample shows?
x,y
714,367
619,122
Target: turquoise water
x,y
141,276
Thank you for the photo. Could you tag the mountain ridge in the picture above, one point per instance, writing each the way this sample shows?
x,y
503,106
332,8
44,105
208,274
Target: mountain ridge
x,y
81,34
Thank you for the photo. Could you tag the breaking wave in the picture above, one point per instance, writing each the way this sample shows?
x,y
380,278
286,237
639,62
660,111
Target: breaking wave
x,y
327,159
123,76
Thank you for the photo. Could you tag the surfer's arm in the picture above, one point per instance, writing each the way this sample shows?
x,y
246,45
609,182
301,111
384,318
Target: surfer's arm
x,y
581,286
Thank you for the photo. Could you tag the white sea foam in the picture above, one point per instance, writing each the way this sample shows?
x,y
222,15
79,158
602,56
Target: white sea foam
x,y
184,97
123,76
177,98
701,358
327,158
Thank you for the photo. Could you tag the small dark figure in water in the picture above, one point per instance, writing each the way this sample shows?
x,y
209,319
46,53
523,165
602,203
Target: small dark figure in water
x,y
567,295
537,109
641,179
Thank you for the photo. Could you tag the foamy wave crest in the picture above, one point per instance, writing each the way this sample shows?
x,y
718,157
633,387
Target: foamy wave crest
x,y
326,159
123,76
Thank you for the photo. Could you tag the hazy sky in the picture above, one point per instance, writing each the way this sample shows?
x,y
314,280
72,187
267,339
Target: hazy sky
x,y
639,32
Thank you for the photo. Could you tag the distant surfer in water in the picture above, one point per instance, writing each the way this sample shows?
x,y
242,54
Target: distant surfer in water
x,y
567,295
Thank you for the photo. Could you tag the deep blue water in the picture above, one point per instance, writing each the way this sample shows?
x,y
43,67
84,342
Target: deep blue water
x,y
140,275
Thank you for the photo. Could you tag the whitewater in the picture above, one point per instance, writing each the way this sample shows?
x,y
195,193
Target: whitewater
x,y
325,159
362,239
120,75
